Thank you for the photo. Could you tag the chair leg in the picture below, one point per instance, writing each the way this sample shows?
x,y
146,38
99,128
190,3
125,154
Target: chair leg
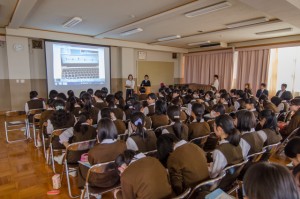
x,y
68,181
52,158
44,146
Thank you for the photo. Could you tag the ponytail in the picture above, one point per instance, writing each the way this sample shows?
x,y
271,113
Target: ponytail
x,y
174,115
138,119
234,137
198,110
178,128
226,123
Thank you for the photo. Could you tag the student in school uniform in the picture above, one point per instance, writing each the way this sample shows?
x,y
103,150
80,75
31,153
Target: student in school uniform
x,y
74,106
100,102
146,81
266,104
229,151
178,102
250,105
141,177
88,107
106,150
267,128
159,118
141,140
248,90
150,109
295,120
120,124
251,141
186,162
266,180
198,127
119,113
34,102
142,96
226,101
179,129
119,101
52,96
240,101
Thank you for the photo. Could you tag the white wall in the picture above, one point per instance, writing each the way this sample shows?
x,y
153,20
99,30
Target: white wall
x,y
3,61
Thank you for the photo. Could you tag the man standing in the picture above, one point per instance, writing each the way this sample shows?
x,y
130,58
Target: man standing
x,y
262,90
216,82
283,93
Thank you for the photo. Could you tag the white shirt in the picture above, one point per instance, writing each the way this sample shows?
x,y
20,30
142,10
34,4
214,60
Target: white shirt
x,y
216,84
219,161
180,143
130,83
279,95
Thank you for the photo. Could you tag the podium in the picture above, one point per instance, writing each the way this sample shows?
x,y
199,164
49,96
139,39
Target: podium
x,y
148,89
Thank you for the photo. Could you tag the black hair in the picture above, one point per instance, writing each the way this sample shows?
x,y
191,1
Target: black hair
x,y
81,94
165,143
174,115
90,91
276,100
60,117
271,120
233,91
251,100
263,84
284,85
219,108
110,99
106,129
241,93
138,120
227,98
72,101
70,94
33,94
152,96
217,76
87,101
160,107
136,106
146,76
125,157
105,112
263,98
292,149
61,96
82,118
223,91
53,94
226,123
268,180
246,120
211,95
198,110
142,90
119,97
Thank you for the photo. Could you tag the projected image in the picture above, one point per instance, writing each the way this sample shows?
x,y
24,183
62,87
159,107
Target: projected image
x,y
76,65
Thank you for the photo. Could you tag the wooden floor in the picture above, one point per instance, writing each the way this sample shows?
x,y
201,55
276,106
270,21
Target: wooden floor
x,y
24,174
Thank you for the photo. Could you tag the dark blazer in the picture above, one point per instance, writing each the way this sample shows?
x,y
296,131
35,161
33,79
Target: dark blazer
x,y
144,83
259,93
286,95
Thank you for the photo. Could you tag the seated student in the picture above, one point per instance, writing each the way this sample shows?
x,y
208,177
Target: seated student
x,y
226,101
140,139
262,90
251,141
250,105
186,162
106,150
183,115
119,100
217,110
295,120
88,107
269,180
120,125
209,100
62,96
119,113
141,177
229,151
266,104
176,95
267,128
34,102
99,100
159,118
284,94
240,101
52,96
138,107
292,151
277,101
179,129
198,127
142,95
150,109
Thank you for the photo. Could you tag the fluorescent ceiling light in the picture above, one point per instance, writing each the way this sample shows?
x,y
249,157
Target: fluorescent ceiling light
x,y
209,9
169,38
247,22
198,43
72,22
275,31
130,32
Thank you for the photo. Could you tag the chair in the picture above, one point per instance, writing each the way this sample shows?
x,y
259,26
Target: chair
x,y
200,141
256,157
270,150
36,127
32,119
99,169
232,173
281,147
15,121
207,186
184,195
55,132
123,136
70,163
151,153
158,130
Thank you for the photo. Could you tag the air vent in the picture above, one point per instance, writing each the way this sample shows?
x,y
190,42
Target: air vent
x,y
214,44
72,22
37,44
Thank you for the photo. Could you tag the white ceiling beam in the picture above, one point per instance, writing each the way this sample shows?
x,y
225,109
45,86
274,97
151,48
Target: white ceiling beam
x,y
21,12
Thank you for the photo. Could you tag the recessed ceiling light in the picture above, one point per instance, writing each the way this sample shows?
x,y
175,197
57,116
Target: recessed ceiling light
x,y
198,43
247,22
169,38
208,9
275,31
130,32
72,22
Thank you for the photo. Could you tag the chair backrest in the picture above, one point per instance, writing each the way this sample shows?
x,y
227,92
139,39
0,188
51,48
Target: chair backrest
x,y
158,130
272,147
232,173
14,113
35,111
100,169
184,195
123,136
255,157
78,148
280,148
207,186
151,153
56,132
200,141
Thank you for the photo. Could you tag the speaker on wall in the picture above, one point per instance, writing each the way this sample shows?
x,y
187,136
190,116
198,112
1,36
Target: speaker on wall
x,y
174,55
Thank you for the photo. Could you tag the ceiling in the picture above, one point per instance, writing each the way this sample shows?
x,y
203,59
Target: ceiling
x,y
158,19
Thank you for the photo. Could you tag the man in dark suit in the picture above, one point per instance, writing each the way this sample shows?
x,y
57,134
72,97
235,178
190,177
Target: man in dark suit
x,y
262,90
283,93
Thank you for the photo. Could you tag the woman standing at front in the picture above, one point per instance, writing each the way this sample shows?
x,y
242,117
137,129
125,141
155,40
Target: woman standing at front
x,y
129,86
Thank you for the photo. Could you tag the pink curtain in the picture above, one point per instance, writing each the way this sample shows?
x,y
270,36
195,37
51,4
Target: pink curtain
x,y
201,68
253,67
